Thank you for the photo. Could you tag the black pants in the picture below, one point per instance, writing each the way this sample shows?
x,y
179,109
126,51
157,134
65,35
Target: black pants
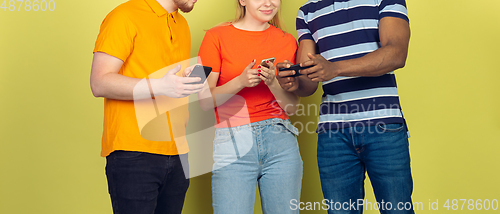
x,y
145,183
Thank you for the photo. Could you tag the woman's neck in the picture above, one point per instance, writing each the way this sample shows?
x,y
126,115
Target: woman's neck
x,y
250,24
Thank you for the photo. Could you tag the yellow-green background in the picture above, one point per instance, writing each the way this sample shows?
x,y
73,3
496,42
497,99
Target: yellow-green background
x,y
51,125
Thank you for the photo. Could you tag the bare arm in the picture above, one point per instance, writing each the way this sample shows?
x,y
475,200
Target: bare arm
x,y
105,81
301,85
394,38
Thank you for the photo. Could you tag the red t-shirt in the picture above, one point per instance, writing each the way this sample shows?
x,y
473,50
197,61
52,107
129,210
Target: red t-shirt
x,y
228,50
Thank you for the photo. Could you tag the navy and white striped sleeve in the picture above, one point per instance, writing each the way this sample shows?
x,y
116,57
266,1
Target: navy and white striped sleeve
x,y
303,31
393,8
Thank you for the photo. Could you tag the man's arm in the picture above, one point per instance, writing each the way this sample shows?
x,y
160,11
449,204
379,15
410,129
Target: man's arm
x,y
394,37
301,85
105,81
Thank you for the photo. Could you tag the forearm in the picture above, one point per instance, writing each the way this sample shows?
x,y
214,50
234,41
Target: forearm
x,y
119,87
306,87
286,100
377,63
223,93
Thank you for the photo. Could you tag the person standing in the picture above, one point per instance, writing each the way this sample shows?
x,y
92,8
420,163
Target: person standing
x,y
259,148
136,39
354,47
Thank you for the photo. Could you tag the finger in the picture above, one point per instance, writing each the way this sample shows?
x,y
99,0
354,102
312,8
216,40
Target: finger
x,y
253,71
312,75
316,80
250,66
271,71
256,81
286,73
185,80
287,80
193,86
270,65
173,71
189,69
308,63
254,77
309,70
311,56
188,92
263,69
291,79
263,78
284,64
266,74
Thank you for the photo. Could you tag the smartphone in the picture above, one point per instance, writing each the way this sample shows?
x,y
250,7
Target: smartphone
x,y
263,62
296,68
201,72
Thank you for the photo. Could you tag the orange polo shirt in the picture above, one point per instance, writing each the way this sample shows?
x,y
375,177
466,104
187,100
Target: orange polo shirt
x,y
146,38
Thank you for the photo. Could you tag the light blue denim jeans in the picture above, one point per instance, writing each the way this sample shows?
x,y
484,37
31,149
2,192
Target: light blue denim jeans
x,y
264,153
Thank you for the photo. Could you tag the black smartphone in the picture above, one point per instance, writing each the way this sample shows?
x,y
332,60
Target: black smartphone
x,y
201,72
296,68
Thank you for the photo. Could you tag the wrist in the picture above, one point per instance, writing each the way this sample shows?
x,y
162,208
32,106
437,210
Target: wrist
x,y
155,88
336,69
274,84
240,83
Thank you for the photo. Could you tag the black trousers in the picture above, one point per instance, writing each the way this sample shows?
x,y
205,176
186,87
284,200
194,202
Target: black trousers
x,y
145,183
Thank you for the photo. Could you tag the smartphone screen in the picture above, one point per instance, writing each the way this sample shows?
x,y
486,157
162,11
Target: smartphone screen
x,y
202,72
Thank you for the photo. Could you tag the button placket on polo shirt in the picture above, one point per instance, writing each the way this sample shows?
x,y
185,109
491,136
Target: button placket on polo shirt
x,y
171,23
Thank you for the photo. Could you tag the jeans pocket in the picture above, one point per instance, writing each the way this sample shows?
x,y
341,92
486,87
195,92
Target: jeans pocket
x,y
392,127
286,126
119,154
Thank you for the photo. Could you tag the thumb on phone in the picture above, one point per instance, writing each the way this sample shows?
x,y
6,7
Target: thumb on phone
x,y
189,69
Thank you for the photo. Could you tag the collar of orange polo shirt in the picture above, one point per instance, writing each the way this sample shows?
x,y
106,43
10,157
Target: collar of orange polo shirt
x,y
160,11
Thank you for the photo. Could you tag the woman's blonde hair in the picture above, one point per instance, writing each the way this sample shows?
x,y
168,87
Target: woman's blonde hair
x,y
241,12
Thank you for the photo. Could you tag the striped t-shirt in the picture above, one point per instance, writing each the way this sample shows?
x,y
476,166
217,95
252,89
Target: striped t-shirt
x,y
348,29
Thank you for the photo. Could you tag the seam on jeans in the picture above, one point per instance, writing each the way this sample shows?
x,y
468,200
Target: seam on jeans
x,y
234,144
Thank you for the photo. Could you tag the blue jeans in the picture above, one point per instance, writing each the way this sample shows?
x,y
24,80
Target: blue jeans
x,y
144,183
344,155
264,152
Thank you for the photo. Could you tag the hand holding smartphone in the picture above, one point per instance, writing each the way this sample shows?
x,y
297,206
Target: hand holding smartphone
x,y
264,61
296,68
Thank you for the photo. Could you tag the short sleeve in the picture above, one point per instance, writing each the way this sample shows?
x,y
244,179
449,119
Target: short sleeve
x,y
303,31
116,36
209,53
393,8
